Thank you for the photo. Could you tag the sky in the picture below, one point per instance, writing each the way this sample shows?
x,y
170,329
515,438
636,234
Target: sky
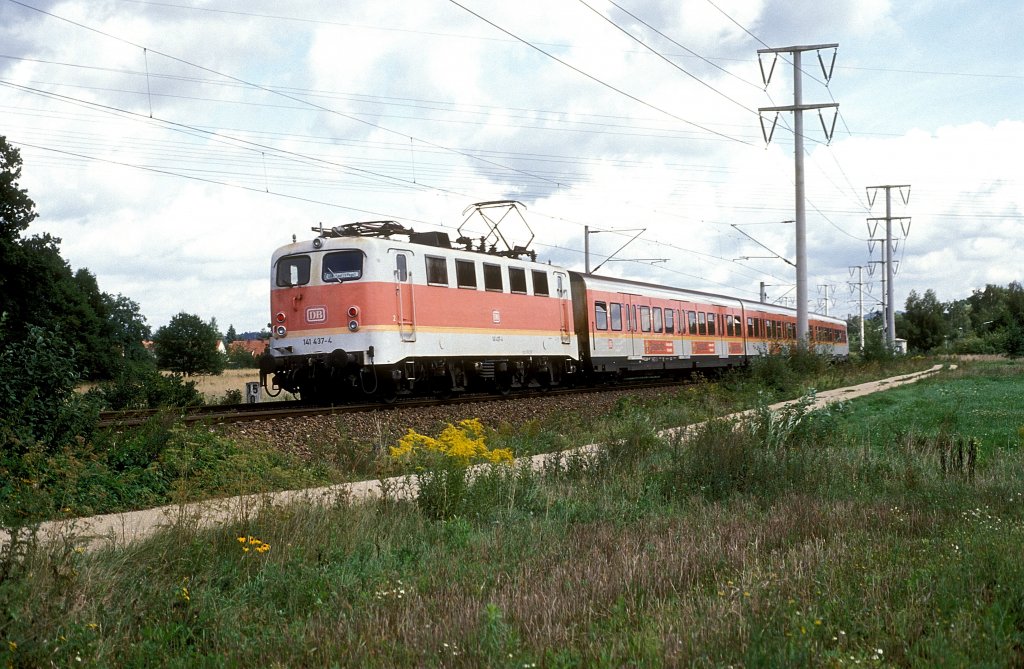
x,y
174,145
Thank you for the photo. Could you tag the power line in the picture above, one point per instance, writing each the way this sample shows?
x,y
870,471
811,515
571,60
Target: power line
x,y
595,79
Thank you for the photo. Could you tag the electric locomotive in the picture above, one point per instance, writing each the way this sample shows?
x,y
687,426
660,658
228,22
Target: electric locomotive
x,y
377,309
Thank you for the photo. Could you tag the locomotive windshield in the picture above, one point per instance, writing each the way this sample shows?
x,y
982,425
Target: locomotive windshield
x,y
343,266
293,271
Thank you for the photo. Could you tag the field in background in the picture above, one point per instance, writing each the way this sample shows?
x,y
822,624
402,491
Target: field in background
x,y
215,388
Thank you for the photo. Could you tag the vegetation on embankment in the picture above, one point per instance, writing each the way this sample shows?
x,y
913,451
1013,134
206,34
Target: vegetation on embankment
x,y
885,530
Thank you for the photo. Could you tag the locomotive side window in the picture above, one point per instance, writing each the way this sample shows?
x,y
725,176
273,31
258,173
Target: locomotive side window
x,y
657,319
711,323
693,322
492,278
600,315
670,321
540,283
342,266
517,280
465,274
645,319
401,267
437,271
616,314
702,323
293,271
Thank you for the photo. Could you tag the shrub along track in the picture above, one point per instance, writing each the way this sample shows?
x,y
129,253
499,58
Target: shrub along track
x,y
115,529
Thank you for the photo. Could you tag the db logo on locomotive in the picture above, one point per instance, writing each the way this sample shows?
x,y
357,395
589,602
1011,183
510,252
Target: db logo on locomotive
x,y
316,314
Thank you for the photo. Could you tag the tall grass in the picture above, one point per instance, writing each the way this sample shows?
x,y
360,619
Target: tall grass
x,y
792,540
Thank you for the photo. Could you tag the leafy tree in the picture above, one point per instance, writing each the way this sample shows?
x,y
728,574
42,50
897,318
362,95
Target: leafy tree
x,y
17,210
189,346
38,288
923,322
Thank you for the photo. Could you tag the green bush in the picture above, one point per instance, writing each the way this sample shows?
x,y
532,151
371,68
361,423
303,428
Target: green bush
x,y
38,402
142,386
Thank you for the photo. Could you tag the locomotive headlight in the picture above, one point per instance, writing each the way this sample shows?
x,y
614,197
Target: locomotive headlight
x,y
318,242
353,311
279,317
353,325
280,331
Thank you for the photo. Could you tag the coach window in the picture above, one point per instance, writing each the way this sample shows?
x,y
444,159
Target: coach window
x,y
437,271
670,321
750,327
615,310
692,316
629,320
465,274
540,283
293,271
517,280
600,315
702,323
492,278
730,328
656,315
645,319
712,322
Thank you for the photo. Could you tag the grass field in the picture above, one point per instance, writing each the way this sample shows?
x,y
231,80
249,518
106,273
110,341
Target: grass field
x,y
849,537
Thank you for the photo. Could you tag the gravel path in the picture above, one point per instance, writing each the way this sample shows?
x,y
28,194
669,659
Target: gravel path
x,y
121,528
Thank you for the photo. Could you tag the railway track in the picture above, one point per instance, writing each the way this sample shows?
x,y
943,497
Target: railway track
x,y
237,413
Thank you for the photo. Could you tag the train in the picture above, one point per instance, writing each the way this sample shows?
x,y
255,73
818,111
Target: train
x,y
376,310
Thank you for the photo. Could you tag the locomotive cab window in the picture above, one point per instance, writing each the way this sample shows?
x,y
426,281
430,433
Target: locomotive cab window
x,y
342,266
293,271
437,271
600,315
401,267
517,280
616,314
465,274
540,283
492,278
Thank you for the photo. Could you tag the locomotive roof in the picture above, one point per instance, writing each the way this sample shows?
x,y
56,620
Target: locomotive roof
x,y
488,244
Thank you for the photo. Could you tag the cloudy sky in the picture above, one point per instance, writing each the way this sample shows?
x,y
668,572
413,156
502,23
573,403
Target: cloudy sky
x,y
173,145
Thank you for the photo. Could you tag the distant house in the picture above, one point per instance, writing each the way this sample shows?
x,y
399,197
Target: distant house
x,y
254,347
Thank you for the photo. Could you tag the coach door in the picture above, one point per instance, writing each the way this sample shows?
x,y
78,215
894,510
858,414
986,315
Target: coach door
x,y
564,307
635,350
405,307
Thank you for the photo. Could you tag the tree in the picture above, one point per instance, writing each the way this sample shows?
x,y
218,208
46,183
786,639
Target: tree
x,y
17,210
231,335
189,346
924,322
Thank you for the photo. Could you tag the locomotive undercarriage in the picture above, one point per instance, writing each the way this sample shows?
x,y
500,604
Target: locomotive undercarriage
x,y
344,378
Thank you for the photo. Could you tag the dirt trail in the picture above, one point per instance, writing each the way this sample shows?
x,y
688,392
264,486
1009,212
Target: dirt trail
x,y
117,529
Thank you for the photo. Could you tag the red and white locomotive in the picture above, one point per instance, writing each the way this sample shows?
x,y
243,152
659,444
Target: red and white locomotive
x,y
376,309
